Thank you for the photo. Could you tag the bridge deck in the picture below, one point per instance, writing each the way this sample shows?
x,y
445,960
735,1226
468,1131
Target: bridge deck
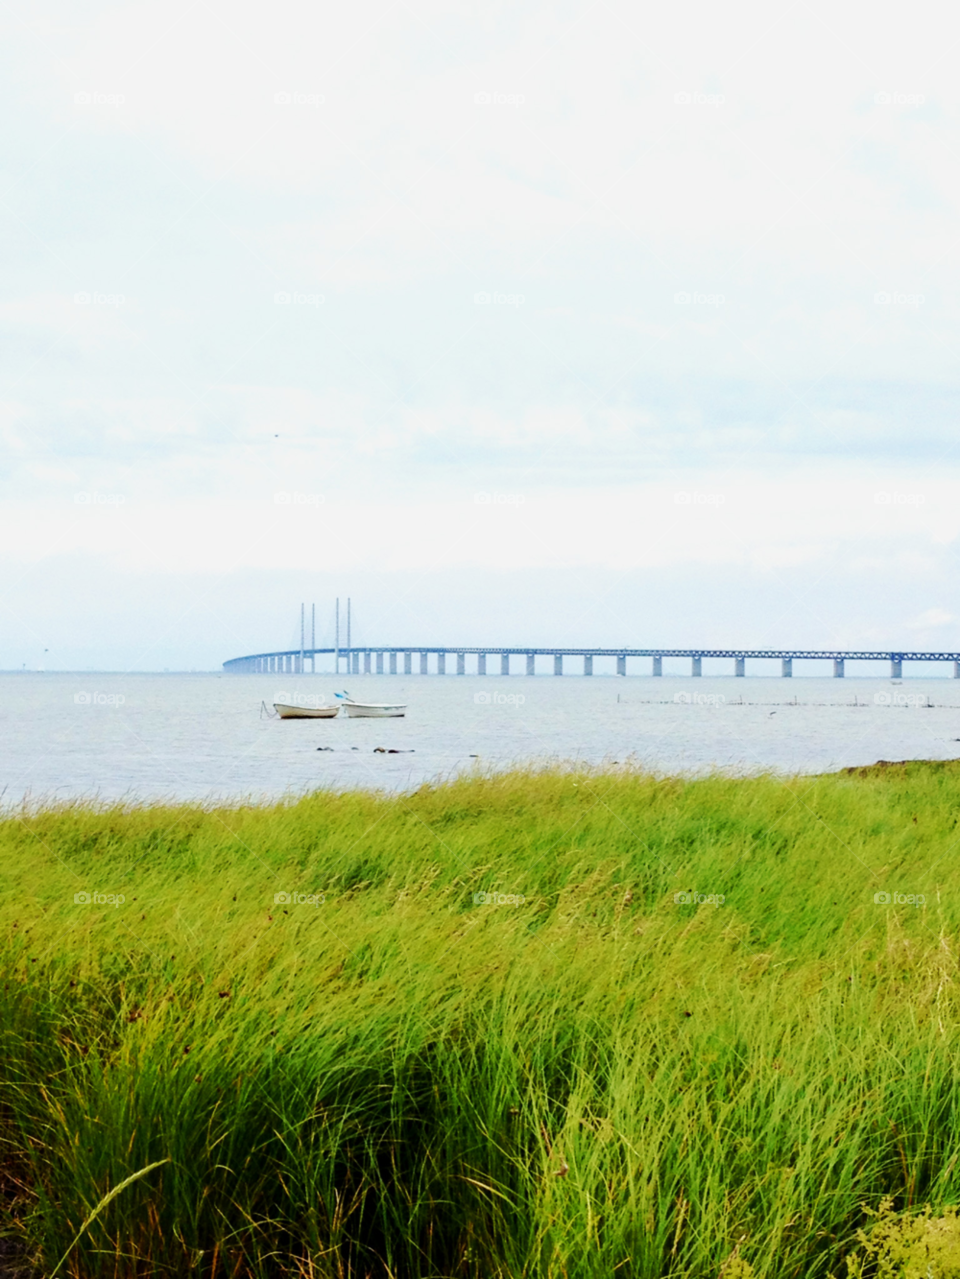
x,y
896,656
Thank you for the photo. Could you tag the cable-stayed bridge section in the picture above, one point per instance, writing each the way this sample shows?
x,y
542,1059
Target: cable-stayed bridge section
x,y
390,658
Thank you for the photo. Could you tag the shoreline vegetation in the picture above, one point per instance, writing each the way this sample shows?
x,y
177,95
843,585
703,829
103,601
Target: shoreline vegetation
x,y
541,1025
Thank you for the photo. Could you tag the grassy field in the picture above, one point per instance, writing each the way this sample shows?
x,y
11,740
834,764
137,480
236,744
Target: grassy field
x,y
560,1024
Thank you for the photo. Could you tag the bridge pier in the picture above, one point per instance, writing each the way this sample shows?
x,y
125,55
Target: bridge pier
x,y
379,663
838,668
355,663
588,663
896,667
504,663
786,667
407,663
423,664
441,663
741,666
696,666
393,663
658,666
530,664
366,662
622,664
461,663
558,663
481,663
956,670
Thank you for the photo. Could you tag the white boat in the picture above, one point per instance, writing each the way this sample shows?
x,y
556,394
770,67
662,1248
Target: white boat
x,y
305,712
371,710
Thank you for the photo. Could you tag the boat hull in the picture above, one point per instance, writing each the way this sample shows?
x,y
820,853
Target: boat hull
x,y
359,710
305,712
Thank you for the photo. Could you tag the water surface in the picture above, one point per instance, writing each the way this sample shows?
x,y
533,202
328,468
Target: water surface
x,y
202,736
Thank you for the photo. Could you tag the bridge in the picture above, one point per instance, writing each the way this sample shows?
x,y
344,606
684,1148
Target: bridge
x,y
374,659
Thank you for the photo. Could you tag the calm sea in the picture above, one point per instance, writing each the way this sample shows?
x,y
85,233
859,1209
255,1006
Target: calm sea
x,y
202,736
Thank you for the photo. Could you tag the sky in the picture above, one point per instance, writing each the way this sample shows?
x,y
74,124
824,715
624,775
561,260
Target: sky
x,y
570,323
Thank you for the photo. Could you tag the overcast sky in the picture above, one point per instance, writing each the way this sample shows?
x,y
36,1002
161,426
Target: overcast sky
x,y
566,323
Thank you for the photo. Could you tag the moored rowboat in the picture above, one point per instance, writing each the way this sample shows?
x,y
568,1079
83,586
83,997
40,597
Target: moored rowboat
x,y
371,710
305,712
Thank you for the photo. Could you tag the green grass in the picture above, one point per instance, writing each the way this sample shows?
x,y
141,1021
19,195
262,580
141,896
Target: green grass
x,y
600,1081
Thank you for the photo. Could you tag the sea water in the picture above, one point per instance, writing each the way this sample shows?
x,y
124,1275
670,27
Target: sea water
x,y
205,736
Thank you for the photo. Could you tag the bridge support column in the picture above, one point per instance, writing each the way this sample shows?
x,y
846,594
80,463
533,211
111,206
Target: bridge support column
x,y
366,662
481,663
838,668
741,666
588,663
530,664
356,663
621,664
896,667
441,663
379,663
504,663
956,670
393,663
461,663
658,666
786,667
558,663
696,666
407,663
423,664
